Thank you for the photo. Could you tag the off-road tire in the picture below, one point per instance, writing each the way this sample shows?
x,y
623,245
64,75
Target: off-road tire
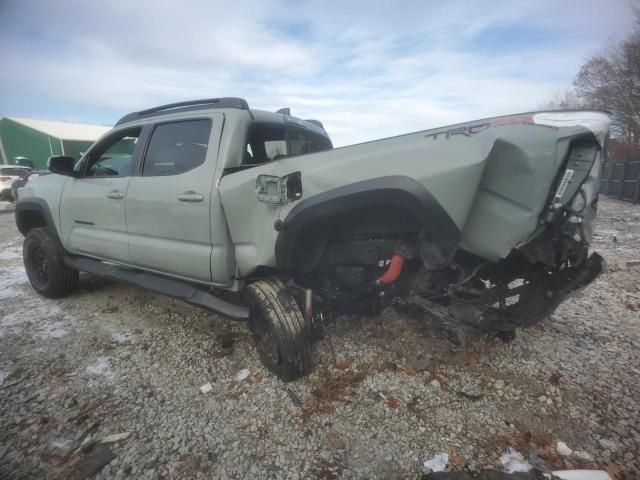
x,y
282,340
44,265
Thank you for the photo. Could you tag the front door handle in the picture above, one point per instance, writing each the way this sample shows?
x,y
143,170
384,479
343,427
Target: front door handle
x,y
190,196
117,194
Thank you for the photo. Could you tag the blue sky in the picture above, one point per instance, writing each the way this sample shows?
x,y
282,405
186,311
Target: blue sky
x,y
366,69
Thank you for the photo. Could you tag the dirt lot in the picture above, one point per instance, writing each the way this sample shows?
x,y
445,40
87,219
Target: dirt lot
x,y
386,395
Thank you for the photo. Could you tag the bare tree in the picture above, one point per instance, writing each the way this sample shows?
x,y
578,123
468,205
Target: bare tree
x,y
611,81
561,100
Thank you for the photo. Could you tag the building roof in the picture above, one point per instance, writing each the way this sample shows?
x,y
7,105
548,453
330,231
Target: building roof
x,y
64,130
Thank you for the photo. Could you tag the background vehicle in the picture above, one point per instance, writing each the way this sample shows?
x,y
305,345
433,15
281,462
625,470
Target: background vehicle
x,y
21,182
489,220
7,176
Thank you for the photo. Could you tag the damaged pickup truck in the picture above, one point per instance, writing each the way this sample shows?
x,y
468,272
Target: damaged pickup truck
x,y
254,215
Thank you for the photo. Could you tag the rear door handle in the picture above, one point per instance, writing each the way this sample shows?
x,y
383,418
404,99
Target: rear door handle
x,y
117,194
190,196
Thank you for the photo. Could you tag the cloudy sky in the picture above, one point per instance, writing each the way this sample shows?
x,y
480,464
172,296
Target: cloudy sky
x,y
366,69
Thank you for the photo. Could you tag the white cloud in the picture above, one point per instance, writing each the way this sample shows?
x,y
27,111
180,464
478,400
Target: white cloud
x,y
366,69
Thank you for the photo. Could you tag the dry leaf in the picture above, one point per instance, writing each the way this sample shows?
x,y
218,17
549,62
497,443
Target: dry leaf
x,y
554,379
392,402
343,364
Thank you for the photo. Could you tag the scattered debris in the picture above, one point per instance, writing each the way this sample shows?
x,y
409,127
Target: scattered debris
x,y
437,463
582,475
582,343
419,363
392,402
191,464
563,449
343,364
227,342
242,375
514,462
533,475
582,455
329,388
94,461
294,398
633,263
206,388
116,437
554,378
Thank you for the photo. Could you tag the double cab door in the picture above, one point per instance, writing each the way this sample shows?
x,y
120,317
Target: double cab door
x,y
143,198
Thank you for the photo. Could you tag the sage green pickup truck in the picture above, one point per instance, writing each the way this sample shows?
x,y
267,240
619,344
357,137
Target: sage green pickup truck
x,y
254,215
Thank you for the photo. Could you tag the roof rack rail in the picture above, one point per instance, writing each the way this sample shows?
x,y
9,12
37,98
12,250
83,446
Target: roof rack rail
x,y
223,102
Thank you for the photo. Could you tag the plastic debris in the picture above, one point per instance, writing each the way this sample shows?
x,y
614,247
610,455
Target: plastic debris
x,y
582,455
563,449
582,475
206,388
438,462
116,437
243,374
582,343
514,462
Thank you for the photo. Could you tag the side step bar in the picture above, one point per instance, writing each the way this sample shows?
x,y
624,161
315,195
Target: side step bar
x,y
166,286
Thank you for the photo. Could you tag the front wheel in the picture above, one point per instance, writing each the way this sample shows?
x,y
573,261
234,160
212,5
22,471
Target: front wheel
x,y
282,340
44,265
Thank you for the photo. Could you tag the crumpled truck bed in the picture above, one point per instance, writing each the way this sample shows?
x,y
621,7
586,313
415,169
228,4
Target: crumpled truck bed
x,y
493,177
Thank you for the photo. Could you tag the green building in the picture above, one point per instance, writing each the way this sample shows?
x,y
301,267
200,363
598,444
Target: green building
x,y
29,142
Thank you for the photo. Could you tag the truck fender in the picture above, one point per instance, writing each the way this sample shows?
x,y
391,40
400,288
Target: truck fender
x,y
33,212
299,246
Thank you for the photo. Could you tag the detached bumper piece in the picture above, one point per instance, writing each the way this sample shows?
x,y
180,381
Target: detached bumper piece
x,y
503,309
540,293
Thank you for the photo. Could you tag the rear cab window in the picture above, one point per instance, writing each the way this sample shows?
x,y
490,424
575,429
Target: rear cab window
x,y
268,142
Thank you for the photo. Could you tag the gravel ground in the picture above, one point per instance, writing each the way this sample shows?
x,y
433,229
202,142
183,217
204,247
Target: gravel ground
x,y
386,395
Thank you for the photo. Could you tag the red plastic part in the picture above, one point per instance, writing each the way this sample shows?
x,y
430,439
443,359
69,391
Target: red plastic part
x,y
393,272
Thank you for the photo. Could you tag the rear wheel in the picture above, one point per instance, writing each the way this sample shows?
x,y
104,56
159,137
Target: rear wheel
x,y
282,341
44,265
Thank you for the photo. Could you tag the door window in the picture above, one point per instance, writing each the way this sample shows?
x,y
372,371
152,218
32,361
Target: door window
x,y
114,156
177,147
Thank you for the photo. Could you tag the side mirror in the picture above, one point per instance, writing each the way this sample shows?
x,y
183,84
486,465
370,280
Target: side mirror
x,y
62,165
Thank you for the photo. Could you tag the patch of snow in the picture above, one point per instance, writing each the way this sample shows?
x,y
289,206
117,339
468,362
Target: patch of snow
x,y
102,366
61,443
3,376
10,251
123,336
514,462
39,316
438,462
10,277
